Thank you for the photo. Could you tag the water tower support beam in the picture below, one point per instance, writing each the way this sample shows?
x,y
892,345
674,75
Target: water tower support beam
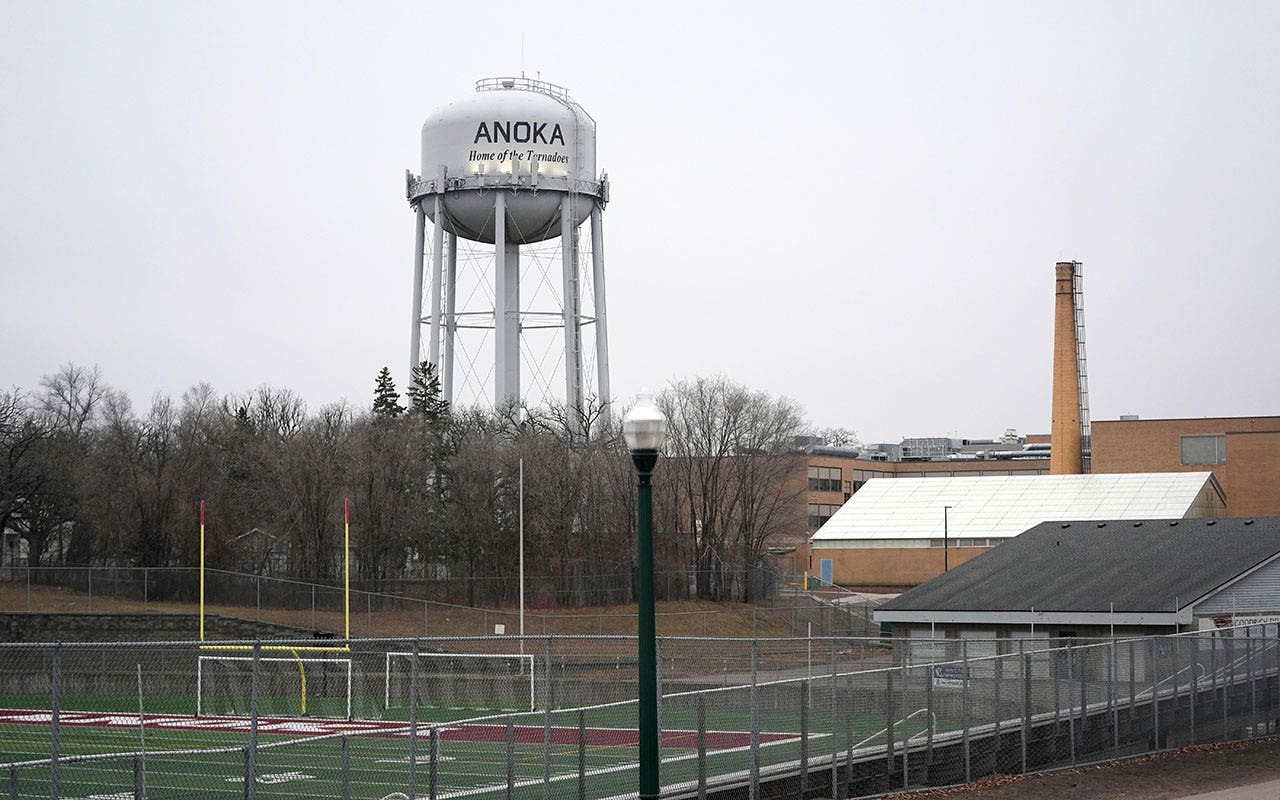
x,y
450,320
572,317
602,327
437,274
506,311
415,332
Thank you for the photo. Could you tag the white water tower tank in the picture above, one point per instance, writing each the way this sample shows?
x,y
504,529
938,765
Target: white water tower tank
x,y
511,137
512,164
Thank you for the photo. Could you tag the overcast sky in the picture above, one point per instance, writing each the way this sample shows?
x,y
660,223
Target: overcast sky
x,y
856,205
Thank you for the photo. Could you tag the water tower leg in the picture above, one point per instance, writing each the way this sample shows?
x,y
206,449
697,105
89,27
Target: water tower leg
x,y
602,318
437,275
572,318
450,322
415,332
506,312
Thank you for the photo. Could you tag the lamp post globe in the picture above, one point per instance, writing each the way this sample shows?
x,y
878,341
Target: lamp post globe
x,y
645,429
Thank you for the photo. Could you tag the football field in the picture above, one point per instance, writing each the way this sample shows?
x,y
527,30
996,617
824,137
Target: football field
x,y
184,756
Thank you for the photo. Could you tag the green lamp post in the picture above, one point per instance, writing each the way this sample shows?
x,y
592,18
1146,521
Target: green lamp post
x,y
645,430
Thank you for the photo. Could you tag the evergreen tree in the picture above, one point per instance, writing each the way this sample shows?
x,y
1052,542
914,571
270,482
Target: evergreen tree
x,y
386,400
424,393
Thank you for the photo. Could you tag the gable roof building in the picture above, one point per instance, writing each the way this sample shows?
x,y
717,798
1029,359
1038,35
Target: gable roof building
x,y
1157,574
895,533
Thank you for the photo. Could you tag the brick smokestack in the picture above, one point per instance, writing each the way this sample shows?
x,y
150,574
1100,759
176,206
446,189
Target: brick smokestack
x,y
1067,455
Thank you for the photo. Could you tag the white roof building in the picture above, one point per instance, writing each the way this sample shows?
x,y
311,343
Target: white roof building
x,y
982,511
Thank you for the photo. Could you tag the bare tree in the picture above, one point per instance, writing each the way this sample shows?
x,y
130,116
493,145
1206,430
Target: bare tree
x,y
726,484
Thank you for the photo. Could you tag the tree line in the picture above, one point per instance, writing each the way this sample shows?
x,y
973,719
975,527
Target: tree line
x,y
435,491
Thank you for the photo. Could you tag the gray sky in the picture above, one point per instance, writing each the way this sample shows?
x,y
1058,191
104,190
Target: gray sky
x,y
855,205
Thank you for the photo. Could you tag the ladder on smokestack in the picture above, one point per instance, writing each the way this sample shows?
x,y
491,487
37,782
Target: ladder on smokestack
x,y
1086,430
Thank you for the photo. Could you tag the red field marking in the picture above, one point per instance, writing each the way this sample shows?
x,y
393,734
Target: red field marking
x,y
480,733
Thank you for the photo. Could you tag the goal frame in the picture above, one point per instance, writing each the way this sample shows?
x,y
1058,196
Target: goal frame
x,y
297,660
532,666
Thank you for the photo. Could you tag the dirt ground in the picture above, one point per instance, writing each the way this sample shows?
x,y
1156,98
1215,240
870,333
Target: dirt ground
x,y
1164,776
677,618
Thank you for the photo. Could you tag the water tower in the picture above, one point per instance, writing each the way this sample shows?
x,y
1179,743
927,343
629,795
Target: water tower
x,y
508,169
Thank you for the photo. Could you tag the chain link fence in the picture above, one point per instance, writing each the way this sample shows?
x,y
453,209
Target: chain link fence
x,y
305,606
541,717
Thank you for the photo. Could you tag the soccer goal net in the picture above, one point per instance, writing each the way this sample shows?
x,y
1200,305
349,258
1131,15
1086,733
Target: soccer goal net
x,y
462,680
287,686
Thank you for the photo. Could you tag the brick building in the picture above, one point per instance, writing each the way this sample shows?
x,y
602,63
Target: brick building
x,y
1243,453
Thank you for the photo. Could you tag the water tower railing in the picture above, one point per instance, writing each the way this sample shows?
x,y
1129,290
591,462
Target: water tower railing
x,y
494,84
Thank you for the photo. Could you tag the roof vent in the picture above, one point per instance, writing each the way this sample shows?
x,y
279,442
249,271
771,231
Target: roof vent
x,y
1137,524
1248,522
1173,524
1102,524
1212,522
1066,524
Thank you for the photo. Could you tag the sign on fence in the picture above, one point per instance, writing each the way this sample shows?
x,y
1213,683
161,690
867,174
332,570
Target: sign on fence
x,y
949,676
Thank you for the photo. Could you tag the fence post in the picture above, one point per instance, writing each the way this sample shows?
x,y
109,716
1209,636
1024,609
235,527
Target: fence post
x,y
582,755
964,709
55,706
1155,692
1275,645
1228,675
511,759
834,715
138,792
702,746
1253,685
13,783
848,733
257,598
251,753
1112,713
754,788
998,690
1071,706
906,732
1133,689
313,606
28,588
928,706
346,768
888,729
413,721
1081,672
433,745
368,612
804,736
547,699
425,629
89,571
546,753
145,586
1195,684
1026,705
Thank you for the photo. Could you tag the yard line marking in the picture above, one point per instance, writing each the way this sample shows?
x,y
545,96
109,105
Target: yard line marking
x,y
479,733
269,779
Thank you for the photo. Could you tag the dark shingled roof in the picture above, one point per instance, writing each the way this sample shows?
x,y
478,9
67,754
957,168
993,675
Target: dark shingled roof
x,y
1147,566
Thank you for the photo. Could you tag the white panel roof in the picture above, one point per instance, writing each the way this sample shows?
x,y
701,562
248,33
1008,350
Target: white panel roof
x,y
986,506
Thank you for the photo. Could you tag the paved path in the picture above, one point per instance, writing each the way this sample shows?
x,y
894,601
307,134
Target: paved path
x,y
1258,791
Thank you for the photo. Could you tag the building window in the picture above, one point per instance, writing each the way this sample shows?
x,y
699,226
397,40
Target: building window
x,y
1203,450
819,513
824,479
